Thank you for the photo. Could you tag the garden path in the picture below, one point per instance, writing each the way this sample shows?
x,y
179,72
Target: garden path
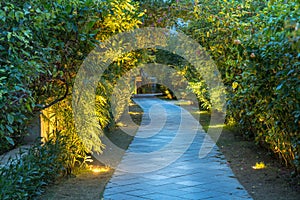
x,y
163,160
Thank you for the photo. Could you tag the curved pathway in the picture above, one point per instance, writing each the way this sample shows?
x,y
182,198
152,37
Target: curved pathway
x,y
163,161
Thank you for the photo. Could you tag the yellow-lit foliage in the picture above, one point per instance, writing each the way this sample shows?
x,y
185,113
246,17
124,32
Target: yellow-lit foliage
x,y
122,15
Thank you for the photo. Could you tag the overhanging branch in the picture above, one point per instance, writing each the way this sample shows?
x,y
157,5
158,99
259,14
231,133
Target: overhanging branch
x,y
59,99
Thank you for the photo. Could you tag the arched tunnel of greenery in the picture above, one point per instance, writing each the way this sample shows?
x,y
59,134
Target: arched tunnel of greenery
x,y
254,44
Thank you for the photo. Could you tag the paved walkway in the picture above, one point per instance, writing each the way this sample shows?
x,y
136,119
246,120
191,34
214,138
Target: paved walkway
x,y
163,161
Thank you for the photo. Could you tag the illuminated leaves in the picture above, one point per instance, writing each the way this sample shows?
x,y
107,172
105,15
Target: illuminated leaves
x,y
42,45
122,15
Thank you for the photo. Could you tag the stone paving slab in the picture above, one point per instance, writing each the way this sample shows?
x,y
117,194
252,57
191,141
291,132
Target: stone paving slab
x,y
168,132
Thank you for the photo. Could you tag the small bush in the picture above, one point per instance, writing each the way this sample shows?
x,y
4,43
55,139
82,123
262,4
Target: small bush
x,y
24,178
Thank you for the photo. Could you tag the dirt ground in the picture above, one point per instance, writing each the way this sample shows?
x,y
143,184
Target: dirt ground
x,y
272,182
86,185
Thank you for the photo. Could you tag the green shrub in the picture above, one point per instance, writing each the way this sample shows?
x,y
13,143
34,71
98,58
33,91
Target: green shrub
x,y
255,45
24,178
36,57
43,44
267,97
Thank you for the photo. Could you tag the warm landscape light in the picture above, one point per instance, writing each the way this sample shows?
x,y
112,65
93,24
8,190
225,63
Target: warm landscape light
x,y
260,165
134,113
217,126
99,169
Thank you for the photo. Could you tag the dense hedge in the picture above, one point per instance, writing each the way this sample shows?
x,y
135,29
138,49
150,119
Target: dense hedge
x,y
267,94
255,45
43,43
39,46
